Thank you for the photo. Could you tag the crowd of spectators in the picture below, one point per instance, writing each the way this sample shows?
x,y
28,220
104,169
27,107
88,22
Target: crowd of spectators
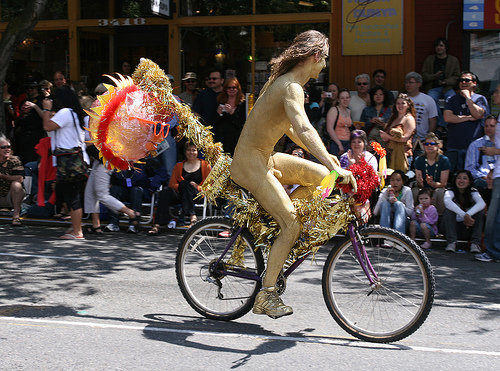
x,y
442,160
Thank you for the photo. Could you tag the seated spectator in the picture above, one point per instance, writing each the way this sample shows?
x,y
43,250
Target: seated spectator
x,y
464,213
424,219
398,134
338,123
376,115
395,203
11,180
477,163
184,185
359,150
134,186
432,170
296,151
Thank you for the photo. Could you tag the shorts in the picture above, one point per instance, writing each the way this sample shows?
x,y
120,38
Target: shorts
x,y
419,230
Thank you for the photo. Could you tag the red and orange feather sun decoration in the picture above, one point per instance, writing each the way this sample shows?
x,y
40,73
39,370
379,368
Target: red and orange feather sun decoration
x,y
124,125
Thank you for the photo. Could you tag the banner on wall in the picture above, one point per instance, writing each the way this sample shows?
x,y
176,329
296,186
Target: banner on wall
x,y
372,27
481,15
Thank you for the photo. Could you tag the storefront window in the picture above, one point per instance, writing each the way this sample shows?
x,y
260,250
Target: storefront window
x,y
224,48
485,59
291,6
190,8
55,9
40,55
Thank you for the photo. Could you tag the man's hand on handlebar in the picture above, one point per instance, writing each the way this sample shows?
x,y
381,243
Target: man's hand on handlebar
x,y
346,177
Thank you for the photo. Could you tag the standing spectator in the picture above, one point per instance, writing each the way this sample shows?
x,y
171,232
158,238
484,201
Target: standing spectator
x,y
205,104
477,163
126,68
399,132
376,115
11,107
424,218
29,125
464,113
464,208
379,76
424,106
11,180
46,88
68,126
231,115
492,227
188,96
361,99
59,79
329,98
338,123
432,170
183,187
395,203
440,73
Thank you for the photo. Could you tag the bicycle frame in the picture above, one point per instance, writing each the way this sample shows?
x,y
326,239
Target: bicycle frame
x,y
359,250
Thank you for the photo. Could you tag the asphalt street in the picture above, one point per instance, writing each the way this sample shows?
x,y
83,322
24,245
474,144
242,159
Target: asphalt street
x,y
112,303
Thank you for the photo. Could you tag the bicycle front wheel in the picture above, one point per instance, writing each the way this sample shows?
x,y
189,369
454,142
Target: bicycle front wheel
x,y
223,290
399,301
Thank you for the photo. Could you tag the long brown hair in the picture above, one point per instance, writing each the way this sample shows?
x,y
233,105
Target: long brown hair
x,y
411,109
222,97
306,44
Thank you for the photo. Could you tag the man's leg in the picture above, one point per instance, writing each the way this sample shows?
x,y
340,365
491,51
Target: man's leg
x,y
17,195
491,235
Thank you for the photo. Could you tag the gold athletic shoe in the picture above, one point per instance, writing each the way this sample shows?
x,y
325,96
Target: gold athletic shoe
x,y
268,302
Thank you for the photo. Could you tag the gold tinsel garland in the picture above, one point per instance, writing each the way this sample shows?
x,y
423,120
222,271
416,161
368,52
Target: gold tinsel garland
x,y
321,218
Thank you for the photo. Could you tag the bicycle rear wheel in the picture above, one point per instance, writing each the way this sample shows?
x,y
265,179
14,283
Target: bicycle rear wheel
x,y
211,293
397,305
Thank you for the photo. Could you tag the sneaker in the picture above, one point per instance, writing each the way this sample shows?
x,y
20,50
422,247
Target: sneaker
x,y
112,228
426,245
132,229
268,302
484,257
475,248
172,224
452,247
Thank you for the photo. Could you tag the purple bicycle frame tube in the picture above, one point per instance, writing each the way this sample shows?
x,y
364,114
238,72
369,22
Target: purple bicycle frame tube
x,y
363,260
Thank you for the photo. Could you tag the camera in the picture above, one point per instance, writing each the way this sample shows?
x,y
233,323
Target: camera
x,y
328,94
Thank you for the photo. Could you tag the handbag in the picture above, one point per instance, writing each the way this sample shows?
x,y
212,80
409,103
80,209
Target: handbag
x,y
71,167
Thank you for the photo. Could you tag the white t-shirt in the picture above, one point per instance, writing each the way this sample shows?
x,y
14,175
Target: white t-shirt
x,y
357,105
426,109
69,134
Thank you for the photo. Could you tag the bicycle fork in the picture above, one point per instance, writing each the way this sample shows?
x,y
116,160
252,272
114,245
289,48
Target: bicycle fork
x,y
363,259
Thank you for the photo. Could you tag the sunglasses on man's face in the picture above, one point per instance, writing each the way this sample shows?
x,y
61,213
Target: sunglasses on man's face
x,y
465,80
362,83
5,147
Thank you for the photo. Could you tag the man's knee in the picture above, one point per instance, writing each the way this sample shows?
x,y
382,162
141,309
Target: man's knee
x,y
16,186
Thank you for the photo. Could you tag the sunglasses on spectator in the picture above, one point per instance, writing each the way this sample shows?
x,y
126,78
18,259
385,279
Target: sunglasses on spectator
x,y
430,143
465,80
30,87
232,87
362,83
5,147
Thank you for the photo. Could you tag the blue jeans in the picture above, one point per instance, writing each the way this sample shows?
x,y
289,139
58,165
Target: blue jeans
x,y
125,194
459,163
492,228
436,93
393,216
168,157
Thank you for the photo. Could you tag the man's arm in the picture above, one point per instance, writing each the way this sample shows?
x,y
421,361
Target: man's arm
x,y
12,178
432,124
451,118
472,159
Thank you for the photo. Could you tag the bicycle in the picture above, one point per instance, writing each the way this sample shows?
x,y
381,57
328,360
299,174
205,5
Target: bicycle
x,y
377,283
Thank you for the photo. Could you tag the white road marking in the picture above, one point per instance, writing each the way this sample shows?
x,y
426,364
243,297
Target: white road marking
x,y
41,256
318,339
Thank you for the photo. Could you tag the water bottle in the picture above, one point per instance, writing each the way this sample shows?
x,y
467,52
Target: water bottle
x,y
490,160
